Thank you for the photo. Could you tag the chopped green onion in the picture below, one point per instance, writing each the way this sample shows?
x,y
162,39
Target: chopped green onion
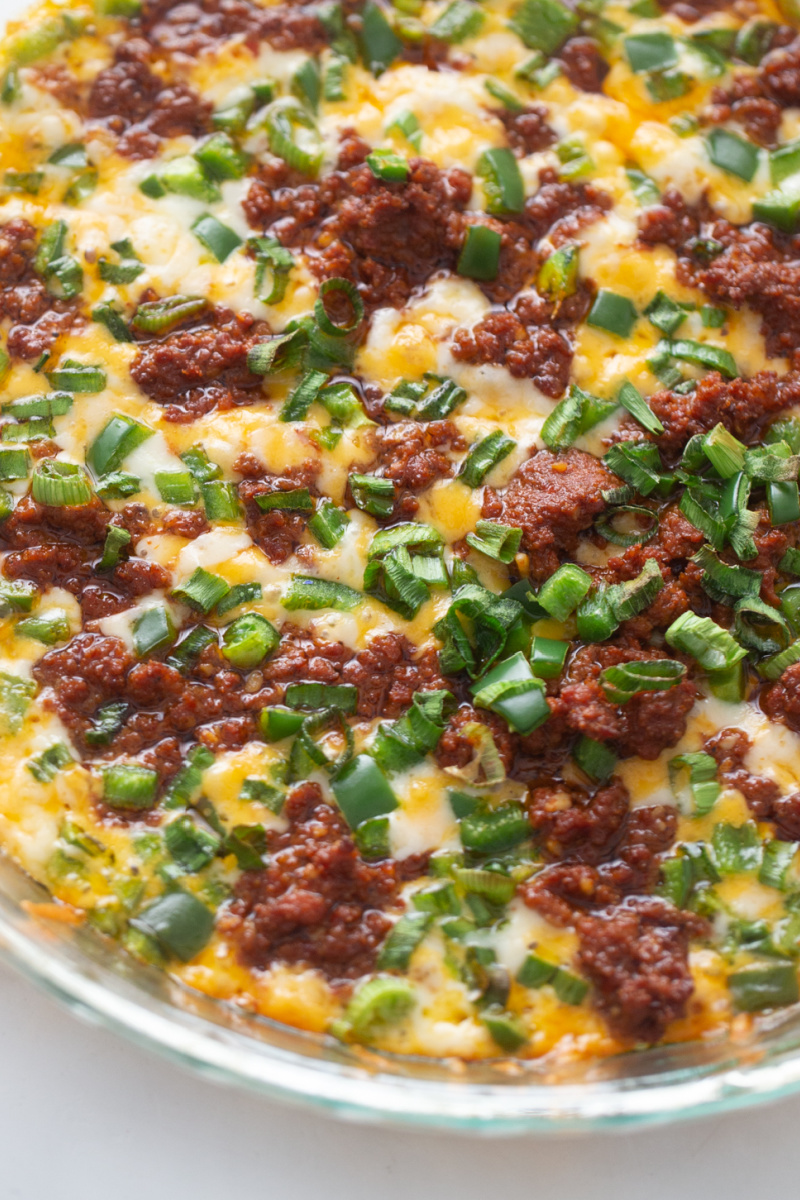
x,y
388,165
184,789
558,274
107,723
614,313
175,487
732,153
459,21
625,680
594,758
248,843
651,51
502,181
638,463
407,124
759,987
484,456
201,591
379,44
547,657
441,401
191,846
512,690
158,316
373,494
15,463
362,791
46,627
643,187
382,1001
185,176
508,100
783,502
633,402
480,254
493,831
328,524
724,582
118,438
200,465
343,696
293,135
712,647
543,24
296,500
564,590
189,649
273,264
117,539
60,484
702,354
106,314
45,766
278,723
665,314
221,158
221,500
152,630
308,592
220,240
130,786
73,376
497,541
578,412
724,451
179,922
248,640
404,937
300,399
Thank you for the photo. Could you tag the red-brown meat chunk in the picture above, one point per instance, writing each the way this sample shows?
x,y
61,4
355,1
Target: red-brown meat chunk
x,y
637,957
317,902
552,498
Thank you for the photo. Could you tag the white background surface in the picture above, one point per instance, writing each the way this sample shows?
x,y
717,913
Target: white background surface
x,y
85,1116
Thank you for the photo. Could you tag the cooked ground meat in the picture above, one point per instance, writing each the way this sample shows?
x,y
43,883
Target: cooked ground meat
x,y
730,747
583,64
779,75
742,405
141,107
455,751
186,28
387,238
388,672
191,371
572,824
38,318
414,455
758,267
671,222
185,522
60,547
552,498
647,724
745,103
527,131
540,354
563,891
317,903
278,530
558,210
637,958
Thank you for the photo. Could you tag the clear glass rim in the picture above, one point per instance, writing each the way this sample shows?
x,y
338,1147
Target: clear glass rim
x,y
213,1038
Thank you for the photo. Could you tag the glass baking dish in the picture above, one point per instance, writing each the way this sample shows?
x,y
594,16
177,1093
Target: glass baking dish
x,y
97,980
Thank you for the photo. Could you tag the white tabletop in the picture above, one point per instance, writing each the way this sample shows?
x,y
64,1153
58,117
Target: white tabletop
x,y
85,1116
